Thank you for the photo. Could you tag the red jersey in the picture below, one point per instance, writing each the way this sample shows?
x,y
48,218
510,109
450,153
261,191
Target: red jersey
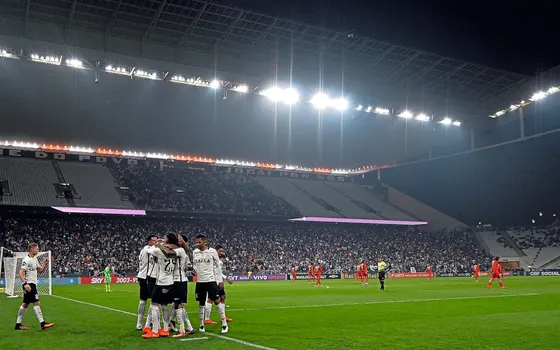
x,y
318,269
476,268
293,270
495,267
364,267
500,268
429,269
310,270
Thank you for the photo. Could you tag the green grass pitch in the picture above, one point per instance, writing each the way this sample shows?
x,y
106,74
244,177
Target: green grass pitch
x,y
445,313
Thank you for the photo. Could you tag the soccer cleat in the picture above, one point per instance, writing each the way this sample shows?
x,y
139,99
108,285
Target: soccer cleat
x,y
173,327
503,287
163,333
209,321
21,328
180,335
150,335
225,329
146,330
228,319
201,329
138,328
46,325
191,332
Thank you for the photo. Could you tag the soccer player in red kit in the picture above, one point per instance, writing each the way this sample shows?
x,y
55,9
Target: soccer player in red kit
x,y
364,273
496,273
430,272
357,274
310,273
318,272
501,271
294,275
476,271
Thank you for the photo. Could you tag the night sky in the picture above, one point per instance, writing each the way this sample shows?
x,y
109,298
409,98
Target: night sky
x,y
516,37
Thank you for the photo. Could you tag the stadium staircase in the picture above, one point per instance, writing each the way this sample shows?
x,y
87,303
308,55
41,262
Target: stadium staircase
x,y
62,180
280,187
322,202
358,203
512,243
553,264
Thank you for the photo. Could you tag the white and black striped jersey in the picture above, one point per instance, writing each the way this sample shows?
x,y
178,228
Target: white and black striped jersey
x,y
147,264
183,261
165,266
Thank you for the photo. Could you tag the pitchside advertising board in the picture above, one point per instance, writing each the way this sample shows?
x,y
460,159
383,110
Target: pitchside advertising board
x,y
56,281
136,161
326,276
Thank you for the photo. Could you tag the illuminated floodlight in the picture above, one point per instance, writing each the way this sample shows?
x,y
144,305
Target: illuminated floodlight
x,y
215,84
178,79
241,88
383,111
493,116
405,115
553,90
274,94
320,100
6,54
538,96
359,108
339,103
291,96
513,107
446,121
45,59
116,70
500,113
369,109
145,74
457,123
72,62
422,117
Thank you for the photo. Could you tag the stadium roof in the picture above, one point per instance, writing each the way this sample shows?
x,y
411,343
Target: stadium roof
x,y
207,26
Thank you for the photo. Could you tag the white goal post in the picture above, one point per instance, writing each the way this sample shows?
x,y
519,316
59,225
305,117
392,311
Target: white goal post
x,y
10,264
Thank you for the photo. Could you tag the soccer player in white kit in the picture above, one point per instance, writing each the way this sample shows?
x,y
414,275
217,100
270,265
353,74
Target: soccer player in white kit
x,y
163,292
206,264
28,276
180,288
146,269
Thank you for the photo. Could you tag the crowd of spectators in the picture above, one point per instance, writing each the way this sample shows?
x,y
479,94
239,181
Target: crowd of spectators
x,y
536,238
198,190
80,244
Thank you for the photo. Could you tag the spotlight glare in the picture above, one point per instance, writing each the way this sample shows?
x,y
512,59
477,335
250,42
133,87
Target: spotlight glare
x,y
446,121
553,90
383,111
422,117
457,123
538,96
291,96
368,110
500,113
405,115
339,103
242,88
215,84
359,108
74,63
513,107
320,100
274,94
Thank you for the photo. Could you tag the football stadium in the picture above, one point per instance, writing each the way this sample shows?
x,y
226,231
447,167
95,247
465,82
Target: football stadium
x,y
202,174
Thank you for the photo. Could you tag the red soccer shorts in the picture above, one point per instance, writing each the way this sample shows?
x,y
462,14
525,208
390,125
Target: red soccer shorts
x,y
495,275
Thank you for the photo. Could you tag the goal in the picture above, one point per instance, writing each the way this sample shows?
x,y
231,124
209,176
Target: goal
x,y
10,264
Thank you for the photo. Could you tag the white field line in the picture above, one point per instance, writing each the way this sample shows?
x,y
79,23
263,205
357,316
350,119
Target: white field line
x,y
191,339
383,302
133,314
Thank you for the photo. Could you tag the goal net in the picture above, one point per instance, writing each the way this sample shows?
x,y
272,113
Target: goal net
x,y
10,264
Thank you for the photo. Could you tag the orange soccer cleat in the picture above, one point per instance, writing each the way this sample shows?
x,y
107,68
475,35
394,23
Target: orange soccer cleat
x,y
47,325
163,333
22,328
150,335
228,319
146,330
209,321
180,335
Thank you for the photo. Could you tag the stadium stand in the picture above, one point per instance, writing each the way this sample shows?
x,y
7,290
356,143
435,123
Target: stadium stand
x,y
489,240
362,194
79,241
95,184
195,190
285,189
31,182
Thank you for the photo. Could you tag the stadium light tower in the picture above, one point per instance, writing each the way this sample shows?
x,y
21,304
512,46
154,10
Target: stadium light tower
x,y
340,104
320,100
405,115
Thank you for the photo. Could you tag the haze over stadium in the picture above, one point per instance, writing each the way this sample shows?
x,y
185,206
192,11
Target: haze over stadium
x,y
302,141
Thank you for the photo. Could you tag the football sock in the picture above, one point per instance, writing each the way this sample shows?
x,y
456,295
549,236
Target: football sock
x,y
201,309
141,309
165,316
21,314
148,323
188,324
155,318
208,311
38,313
222,311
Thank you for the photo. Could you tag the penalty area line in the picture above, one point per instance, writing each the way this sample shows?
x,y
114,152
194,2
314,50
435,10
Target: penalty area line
x,y
191,339
246,343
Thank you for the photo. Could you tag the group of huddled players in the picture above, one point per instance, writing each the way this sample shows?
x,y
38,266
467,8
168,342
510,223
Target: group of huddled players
x,y
163,278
